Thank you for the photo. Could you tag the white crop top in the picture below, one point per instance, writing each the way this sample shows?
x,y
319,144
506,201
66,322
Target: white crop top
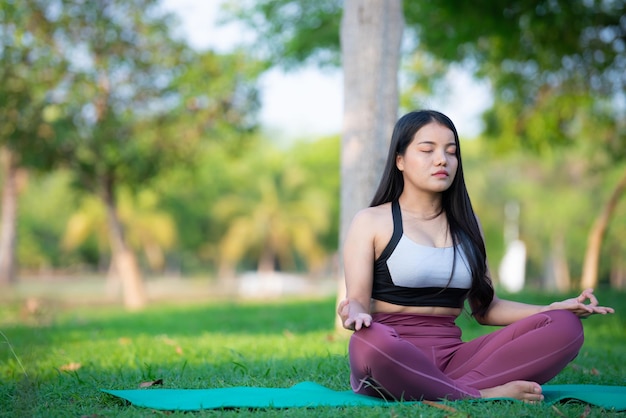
x,y
415,265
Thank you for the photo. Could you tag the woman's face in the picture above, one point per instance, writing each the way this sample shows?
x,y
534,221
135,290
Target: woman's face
x,y
429,162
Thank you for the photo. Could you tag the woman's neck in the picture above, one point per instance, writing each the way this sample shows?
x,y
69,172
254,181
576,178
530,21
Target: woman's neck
x,y
426,206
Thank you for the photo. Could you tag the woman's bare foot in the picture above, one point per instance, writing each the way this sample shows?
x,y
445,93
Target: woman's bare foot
x,y
518,389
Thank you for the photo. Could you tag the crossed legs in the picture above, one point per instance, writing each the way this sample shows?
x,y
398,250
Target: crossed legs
x,y
385,364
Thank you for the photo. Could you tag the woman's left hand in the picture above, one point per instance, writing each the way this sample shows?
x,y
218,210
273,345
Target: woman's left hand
x,y
577,305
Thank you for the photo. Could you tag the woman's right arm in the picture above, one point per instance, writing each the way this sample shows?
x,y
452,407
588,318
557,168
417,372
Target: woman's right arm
x,y
358,261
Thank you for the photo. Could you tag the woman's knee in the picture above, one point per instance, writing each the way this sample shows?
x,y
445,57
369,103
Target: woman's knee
x,y
567,325
375,346
376,335
566,319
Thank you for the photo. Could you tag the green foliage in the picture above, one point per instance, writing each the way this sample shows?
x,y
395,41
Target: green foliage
x,y
120,103
175,219
556,194
69,355
116,92
30,69
422,76
320,158
279,213
43,216
216,101
289,32
556,68
149,230
125,88
549,39
229,186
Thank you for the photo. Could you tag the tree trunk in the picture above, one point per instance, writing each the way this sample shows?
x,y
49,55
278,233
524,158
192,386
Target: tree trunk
x,y
266,260
371,36
596,235
113,288
8,217
557,272
618,270
124,259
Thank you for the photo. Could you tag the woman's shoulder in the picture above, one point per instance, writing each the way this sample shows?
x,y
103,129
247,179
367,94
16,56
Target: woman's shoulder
x,y
371,228
374,216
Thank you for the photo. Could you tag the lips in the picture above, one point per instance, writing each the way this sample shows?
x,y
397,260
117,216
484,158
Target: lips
x,y
441,173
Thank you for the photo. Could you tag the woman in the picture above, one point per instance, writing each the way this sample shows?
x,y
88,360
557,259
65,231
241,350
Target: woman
x,y
411,260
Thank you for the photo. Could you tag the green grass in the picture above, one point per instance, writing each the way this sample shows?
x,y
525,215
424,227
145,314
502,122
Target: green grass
x,y
222,344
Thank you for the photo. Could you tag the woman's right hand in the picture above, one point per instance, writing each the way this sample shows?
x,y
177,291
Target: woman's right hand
x,y
353,317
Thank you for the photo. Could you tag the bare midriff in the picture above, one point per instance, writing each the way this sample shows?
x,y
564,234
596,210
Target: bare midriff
x,y
378,306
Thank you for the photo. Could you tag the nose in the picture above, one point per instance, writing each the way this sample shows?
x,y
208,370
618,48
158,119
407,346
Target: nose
x,y
441,159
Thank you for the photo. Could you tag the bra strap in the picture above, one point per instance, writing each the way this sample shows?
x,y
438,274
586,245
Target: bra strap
x,y
397,219
397,230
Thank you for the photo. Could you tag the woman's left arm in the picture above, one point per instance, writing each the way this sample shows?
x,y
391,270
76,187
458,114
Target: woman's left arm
x,y
505,312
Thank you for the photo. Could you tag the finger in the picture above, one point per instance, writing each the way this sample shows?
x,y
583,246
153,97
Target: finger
x,y
358,324
588,307
604,310
588,294
592,298
596,310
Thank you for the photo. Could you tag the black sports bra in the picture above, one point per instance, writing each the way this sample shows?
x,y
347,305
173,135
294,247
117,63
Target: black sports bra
x,y
410,274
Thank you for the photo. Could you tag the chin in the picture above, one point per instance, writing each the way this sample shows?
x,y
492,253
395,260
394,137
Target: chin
x,y
441,187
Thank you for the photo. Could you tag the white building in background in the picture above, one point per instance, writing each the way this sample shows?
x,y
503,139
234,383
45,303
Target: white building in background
x,y
512,269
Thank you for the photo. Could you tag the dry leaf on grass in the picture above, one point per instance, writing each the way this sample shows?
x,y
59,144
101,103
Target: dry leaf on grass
x,y
151,383
440,406
70,367
593,371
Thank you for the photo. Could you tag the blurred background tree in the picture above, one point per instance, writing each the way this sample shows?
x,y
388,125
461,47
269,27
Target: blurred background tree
x,y
278,219
30,69
123,62
114,118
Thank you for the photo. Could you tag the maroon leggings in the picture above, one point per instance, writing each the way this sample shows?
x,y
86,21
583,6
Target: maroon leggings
x,y
415,357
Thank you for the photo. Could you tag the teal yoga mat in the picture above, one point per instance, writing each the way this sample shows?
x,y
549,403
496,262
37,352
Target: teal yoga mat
x,y
309,395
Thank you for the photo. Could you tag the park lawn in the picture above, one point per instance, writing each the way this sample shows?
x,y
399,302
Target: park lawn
x,y
54,363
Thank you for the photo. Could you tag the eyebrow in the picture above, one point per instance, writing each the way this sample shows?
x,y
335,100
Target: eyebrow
x,y
426,142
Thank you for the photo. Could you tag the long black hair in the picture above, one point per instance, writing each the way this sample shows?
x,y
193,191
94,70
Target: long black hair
x,y
455,201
